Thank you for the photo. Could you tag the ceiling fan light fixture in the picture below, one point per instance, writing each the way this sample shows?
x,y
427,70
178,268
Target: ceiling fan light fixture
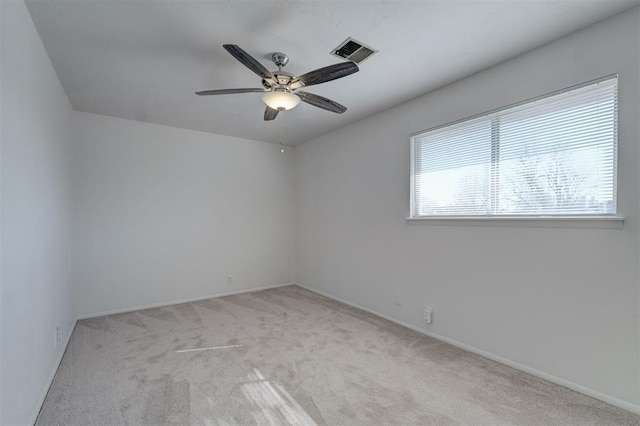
x,y
280,100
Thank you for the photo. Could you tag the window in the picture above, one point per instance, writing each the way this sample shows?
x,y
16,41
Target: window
x,y
553,156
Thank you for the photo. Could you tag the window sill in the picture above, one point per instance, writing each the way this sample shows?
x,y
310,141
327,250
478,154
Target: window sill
x,y
604,222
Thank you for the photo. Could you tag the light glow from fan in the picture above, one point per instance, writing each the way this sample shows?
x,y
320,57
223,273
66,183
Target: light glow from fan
x,y
280,100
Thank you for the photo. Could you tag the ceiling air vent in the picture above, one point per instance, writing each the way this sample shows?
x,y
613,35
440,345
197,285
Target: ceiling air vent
x,y
353,50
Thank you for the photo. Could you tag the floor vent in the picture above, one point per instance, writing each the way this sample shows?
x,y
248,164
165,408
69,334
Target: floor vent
x,y
353,50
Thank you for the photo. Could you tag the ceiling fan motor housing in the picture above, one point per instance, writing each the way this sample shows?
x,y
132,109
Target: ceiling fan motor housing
x,y
282,80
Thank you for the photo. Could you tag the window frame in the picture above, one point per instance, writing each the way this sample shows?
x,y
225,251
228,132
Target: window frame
x,y
598,220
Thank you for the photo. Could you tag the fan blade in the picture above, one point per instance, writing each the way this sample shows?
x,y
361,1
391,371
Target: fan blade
x,y
270,114
321,102
228,91
322,75
248,61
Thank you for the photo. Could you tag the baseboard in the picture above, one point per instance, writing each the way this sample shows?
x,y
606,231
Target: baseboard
x,y
52,375
534,372
176,302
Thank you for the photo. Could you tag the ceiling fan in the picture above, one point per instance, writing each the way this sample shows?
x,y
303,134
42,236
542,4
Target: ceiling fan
x,y
280,89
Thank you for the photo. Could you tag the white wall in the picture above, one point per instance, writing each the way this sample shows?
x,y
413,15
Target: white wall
x,y
1,134
563,301
36,211
166,214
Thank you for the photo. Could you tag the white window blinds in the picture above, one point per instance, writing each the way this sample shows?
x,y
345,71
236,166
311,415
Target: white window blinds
x,y
552,156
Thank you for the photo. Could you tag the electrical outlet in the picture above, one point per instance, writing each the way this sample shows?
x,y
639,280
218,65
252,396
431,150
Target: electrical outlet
x,y
229,280
428,314
399,299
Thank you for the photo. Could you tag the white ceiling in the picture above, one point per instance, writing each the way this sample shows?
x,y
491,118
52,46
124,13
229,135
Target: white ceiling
x,y
143,60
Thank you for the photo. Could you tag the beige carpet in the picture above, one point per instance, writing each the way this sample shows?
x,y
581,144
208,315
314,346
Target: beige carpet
x,y
289,356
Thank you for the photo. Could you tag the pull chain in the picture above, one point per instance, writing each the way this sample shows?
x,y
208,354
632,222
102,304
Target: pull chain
x,y
281,138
